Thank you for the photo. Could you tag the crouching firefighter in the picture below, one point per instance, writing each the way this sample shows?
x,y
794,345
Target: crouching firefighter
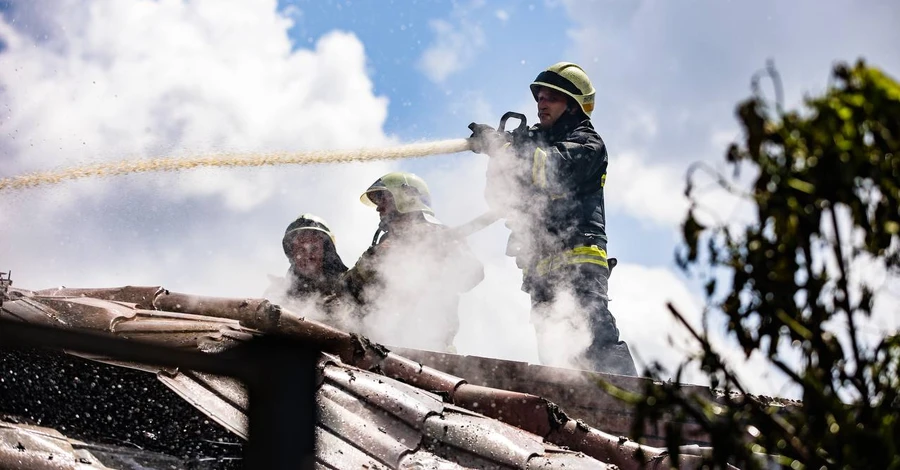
x,y
407,284
315,266
548,182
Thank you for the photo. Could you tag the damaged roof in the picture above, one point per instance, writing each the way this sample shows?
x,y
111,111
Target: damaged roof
x,y
42,448
376,408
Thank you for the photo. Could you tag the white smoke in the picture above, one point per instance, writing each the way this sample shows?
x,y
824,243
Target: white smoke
x,y
563,331
417,304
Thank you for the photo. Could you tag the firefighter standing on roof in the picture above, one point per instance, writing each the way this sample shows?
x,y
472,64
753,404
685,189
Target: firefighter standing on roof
x,y
407,284
558,226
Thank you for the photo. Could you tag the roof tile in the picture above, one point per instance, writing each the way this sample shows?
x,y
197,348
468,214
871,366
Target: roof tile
x,y
338,453
86,312
408,403
487,438
376,431
528,412
427,459
423,377
460,458
33,311
566,460
142,296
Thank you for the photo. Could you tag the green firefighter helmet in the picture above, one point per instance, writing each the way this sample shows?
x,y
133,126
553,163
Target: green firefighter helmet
x,y
306,222
570,79
409,191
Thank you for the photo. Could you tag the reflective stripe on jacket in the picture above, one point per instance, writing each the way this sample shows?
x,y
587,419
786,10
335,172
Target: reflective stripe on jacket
x,y
582,254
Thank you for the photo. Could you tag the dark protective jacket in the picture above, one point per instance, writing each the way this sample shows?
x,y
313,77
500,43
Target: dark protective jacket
x,y
302,287
321,291
561,219
569,163
333,268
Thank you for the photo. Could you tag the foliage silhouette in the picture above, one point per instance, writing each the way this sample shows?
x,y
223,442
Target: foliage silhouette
x,y
827,203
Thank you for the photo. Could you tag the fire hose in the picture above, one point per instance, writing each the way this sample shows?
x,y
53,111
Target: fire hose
x,y
125,167
130,166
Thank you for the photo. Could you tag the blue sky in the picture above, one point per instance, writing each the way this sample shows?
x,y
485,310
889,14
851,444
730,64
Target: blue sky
x,y
101,80
396,34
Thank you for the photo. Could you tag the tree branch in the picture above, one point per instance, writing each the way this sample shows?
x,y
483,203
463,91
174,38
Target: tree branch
x,y
772,73
858,375
706,347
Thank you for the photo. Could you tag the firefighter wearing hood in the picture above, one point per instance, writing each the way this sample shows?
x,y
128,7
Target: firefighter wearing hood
x,y
407,283
315,266
554,206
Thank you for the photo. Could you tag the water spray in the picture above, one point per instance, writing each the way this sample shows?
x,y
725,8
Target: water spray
x,y
125,167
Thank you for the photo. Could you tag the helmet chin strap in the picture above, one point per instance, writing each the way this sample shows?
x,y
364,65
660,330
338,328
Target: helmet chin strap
x,y
384,225
378,233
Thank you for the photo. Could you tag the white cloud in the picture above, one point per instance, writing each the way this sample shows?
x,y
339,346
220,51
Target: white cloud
x,y
173,75
649,192
502,15
115,80
638,301
639,295
454,48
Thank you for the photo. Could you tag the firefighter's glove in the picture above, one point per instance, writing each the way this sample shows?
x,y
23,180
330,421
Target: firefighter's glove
x,y
485,139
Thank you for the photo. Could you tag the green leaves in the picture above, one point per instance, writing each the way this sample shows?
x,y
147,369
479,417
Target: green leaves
x,y
825,172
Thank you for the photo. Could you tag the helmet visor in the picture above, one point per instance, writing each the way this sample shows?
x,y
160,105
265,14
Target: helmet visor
x,y
373,196
556,80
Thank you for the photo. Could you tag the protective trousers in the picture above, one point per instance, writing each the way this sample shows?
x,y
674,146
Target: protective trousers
x,y
572,301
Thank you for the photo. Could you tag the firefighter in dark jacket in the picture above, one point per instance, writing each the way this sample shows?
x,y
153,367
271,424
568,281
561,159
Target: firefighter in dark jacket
x,y
315,266
555,176
407,284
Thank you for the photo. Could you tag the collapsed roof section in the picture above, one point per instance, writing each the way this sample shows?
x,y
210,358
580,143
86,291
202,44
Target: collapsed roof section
x,y
376,408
